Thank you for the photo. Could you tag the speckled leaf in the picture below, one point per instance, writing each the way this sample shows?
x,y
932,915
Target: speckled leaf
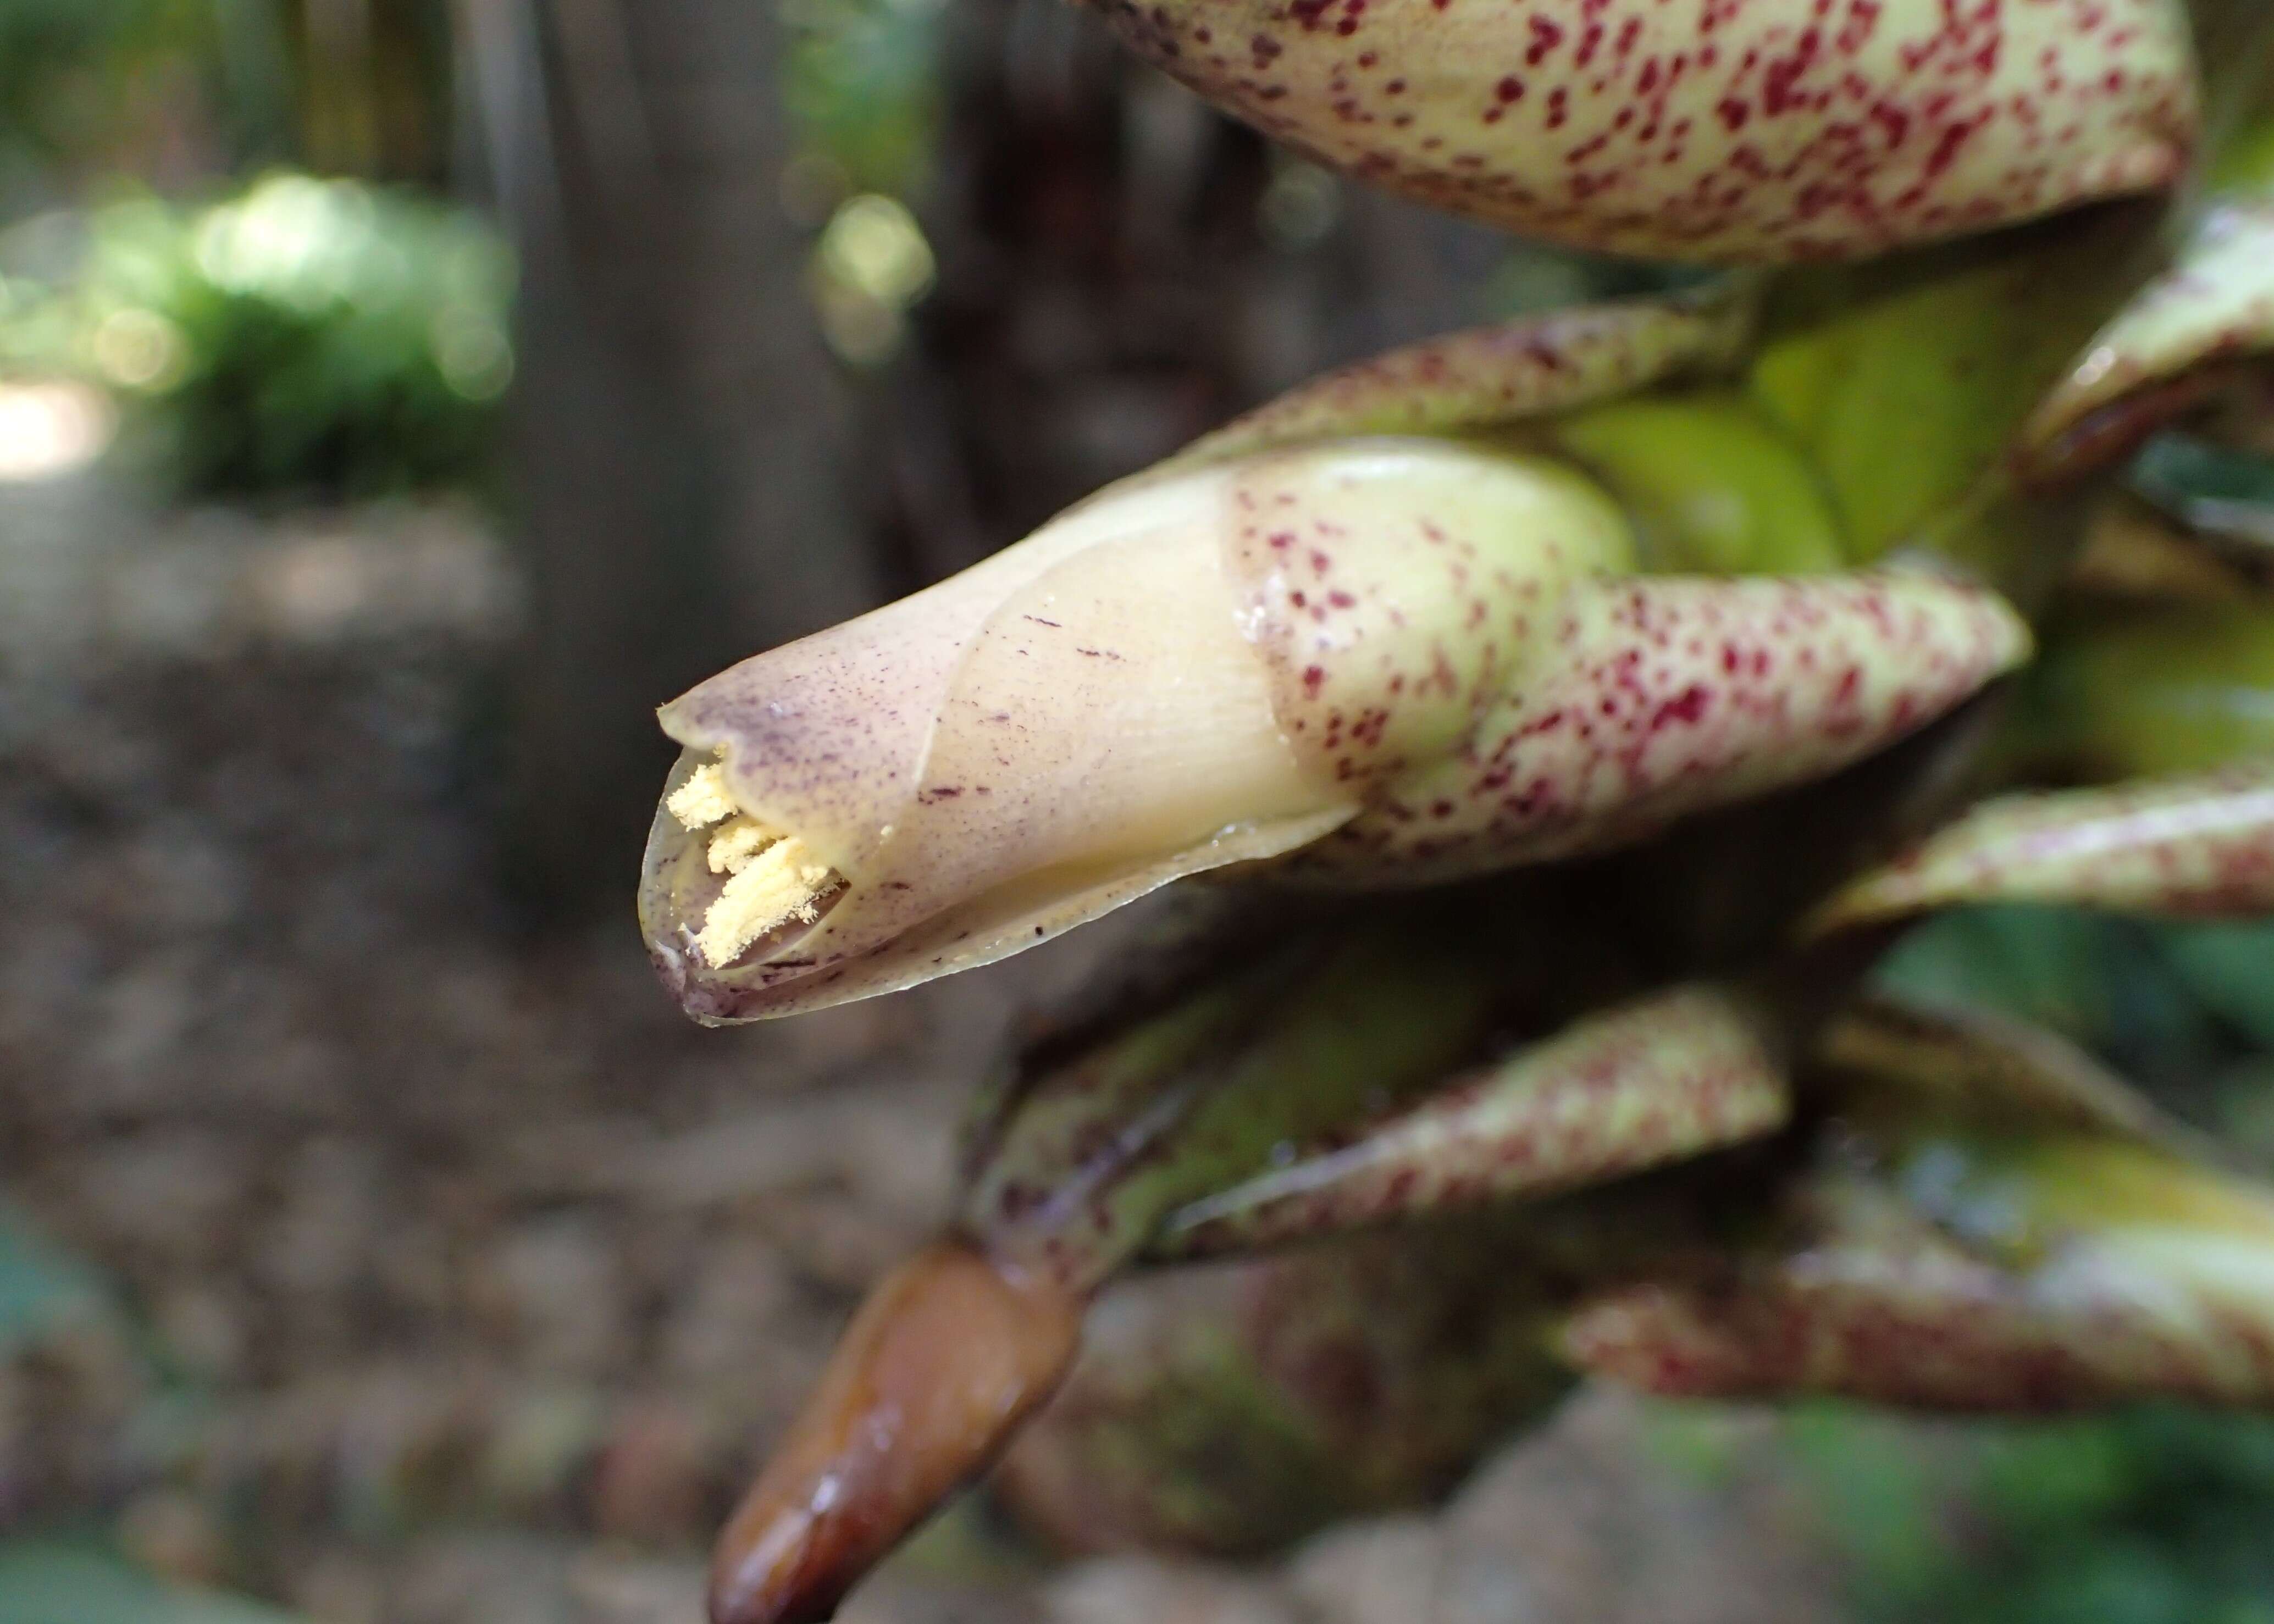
x,y
1663,696
2160,354
2199,845
1960,1252
1977,1061
1673,1075
1757,129
1111,1126
1488,376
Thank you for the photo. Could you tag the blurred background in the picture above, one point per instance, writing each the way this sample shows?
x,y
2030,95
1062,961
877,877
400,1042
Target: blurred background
x,y
398,400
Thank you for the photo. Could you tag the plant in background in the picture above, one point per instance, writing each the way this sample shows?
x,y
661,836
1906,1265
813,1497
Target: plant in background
x,y
307,334
58,1318
62,72
170,90
859,85
1579,708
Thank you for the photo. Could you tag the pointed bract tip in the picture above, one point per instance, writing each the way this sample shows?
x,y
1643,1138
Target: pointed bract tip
x,y
948,1356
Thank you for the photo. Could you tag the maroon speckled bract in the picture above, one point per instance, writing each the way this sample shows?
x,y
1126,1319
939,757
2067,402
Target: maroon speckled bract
x,y
2200,845
1711,130
1981,1221
1396,592
2214,306
1673,1075
1659,696
1878,1306
1525,368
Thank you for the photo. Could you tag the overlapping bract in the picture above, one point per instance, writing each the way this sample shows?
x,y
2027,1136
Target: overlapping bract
x,y
1706,129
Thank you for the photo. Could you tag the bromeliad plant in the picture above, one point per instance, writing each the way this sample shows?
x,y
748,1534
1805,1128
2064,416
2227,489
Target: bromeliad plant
x,y
1575,708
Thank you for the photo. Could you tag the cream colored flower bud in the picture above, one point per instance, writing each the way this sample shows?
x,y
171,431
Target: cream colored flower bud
x,y
1188,671
1409,660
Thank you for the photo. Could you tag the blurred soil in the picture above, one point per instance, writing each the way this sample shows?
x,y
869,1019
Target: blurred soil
x,y
458,1280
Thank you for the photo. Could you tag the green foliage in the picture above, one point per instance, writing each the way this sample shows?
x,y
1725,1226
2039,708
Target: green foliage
x,y
1712,483
87,85
2157,1516
43,1582
861,86
42,1290
52,57
305,334
2185,1007
46,1294
2223,489
2228,968
2126,989
1878,1489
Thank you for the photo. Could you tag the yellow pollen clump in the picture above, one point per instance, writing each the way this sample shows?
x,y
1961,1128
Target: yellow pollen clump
x,y
773,877
703,800
733,846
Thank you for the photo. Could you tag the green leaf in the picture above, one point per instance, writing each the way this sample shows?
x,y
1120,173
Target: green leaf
x,y
2103,982
1878,1491
42,1289
2223,489
1712,483
2155,694
2229,968
1904,385
54,1583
